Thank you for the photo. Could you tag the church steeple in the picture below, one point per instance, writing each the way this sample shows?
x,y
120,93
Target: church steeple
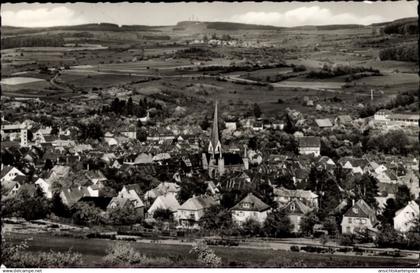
x,y
215,145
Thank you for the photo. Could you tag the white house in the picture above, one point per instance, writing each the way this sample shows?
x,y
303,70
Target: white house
x,y
8,173
167,201
132,192
192,210
309,145
45,187
405,218
358,218
251,207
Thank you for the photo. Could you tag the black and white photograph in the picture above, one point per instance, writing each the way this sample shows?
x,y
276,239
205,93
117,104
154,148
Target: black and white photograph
x,y
276,135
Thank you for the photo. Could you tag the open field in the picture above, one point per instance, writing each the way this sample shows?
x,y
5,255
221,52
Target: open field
x,y
94,249
19,80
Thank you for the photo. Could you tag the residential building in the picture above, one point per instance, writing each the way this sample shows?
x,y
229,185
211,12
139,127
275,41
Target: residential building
x,y
309,145
190,212
9,173
251,207
405,218
295,210
165,202
359,217
284,196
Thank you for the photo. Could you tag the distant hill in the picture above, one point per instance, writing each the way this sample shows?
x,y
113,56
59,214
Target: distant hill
x,y
402,20
239,26
84,27
328,27
404,26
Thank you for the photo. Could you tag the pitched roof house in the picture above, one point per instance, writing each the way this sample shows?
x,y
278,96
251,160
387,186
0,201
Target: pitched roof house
x,y
359,217
295,210
8,173
167,201
69,196
324,123
190,212
309,145
405,218
251,207
162,189
283,197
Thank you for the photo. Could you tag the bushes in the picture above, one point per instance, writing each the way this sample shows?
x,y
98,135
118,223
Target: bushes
x,y
347,240
51,259
407,53
122,254
222,242
14,256
294,249
206,255
329,71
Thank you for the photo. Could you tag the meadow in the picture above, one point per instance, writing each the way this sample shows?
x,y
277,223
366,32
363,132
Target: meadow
x,y
94,249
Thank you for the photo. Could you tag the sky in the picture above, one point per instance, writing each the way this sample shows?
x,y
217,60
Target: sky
x,y
287,14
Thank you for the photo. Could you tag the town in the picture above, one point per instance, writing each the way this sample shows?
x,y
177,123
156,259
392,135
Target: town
x,y
174,147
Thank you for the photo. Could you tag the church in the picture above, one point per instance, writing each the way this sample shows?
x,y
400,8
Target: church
x,y
215,160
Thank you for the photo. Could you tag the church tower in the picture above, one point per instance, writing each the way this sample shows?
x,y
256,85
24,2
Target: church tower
x,y
215,146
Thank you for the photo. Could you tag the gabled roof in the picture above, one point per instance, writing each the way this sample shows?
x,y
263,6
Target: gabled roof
x,y
295,206
309,141
74,194
6,170
198,203
326,122
7,186
360,209
281,191
251,203
167,202
412,205
134,187
344,118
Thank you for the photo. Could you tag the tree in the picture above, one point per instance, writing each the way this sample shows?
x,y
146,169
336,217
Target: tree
x,y
190,188
252,143
250,228
402,196
128,215
389,212
27,204
216,218
330,225
54,130
141,135
277,224
58,207
130,107
307,223
257,110
366,188
87,214
48,164
205,124
163,214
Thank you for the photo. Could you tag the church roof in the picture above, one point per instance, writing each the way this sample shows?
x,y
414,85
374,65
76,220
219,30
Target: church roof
x,y
214,138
